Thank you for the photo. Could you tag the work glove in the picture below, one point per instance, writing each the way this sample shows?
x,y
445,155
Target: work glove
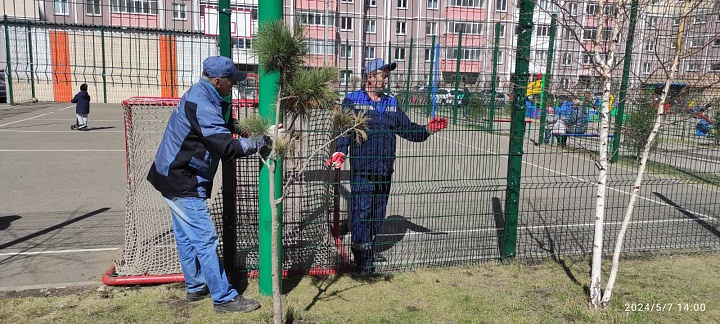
x,y
336,160
436,124
270,133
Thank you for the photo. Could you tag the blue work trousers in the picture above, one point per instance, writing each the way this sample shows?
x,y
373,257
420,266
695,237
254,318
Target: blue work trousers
x,y
370,195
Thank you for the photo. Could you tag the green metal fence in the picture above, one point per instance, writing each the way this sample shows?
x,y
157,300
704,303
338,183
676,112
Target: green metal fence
x,y
487,187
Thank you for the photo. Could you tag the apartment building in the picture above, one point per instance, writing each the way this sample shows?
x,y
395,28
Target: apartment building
x,y
348,33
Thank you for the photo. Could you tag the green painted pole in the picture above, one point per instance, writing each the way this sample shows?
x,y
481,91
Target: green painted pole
x,y
229,168
517,128
268,11
8,68
624,82
409,77
457,78
430,79
389,59
548,71
493,82
104,71
30,57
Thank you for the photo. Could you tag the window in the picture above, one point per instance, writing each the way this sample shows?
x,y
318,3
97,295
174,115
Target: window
x,y
245,43
565,83
569,34
609,10
346,51
501,58
541,55
400,28
501,5
607,34
93,8
465,3
371,3
715,67
652,22
179,11
400,54
148,7
649,45
700,19
347,1
402,4
346,23
428,54
646,68
589,33
673,44
573,8
696,42
370,26
312,18
693,66
542,30
591,8
432,4
587,59
676,22
345,75
369,52
548,6
431,28
567,58
716,42
502,30
61,7
465,54
318,47
468,28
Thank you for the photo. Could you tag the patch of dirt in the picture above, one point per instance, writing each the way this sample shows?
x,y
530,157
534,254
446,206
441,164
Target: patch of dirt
x,y
181,307
47,292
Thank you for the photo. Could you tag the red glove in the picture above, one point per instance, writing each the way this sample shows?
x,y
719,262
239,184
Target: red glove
x,y
336,160
437,124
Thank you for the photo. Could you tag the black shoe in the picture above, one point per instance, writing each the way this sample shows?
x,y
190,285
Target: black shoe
x,y
197,295
239,305
73,127
377,257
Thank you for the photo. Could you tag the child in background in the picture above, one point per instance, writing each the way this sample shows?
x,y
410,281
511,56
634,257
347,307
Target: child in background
x,y
82,109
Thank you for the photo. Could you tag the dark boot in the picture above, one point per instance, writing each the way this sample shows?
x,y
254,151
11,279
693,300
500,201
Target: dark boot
x,y
197,295
363,262
239,305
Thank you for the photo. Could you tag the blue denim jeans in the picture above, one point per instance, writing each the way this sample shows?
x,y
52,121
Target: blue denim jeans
x,y
370,195
197,244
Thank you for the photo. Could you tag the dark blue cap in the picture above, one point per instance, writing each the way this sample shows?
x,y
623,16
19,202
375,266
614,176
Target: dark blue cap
x,y
378,64
222,67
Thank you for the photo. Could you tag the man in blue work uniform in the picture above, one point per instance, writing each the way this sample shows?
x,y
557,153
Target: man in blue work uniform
x,y
195,140
372,160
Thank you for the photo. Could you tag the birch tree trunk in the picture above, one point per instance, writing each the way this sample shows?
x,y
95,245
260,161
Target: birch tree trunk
x,y
659,119
606,65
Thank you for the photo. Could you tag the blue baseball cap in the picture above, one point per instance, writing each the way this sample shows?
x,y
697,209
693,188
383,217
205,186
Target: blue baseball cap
x,y
378,64
222,67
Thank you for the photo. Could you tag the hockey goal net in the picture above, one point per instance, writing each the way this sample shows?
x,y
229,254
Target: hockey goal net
x,y
310,220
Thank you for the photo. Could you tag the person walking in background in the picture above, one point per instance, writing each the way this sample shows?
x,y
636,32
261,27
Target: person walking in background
x,y
373,159
82,108
195,139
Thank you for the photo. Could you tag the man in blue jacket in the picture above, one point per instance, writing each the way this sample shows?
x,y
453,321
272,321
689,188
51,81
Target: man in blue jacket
x,y
195,140
372,160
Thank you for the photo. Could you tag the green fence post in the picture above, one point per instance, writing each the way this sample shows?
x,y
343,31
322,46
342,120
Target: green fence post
x,y
548,71
624,83
457,78
493,82
268,10
104,72
428,107
517,128
229,168
30,57
389,59
8,68
409,77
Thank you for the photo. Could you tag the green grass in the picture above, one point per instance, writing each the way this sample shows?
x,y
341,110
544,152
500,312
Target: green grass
x,y
550,292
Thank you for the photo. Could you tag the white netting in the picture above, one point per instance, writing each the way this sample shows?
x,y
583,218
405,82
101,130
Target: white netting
x,y
150,249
